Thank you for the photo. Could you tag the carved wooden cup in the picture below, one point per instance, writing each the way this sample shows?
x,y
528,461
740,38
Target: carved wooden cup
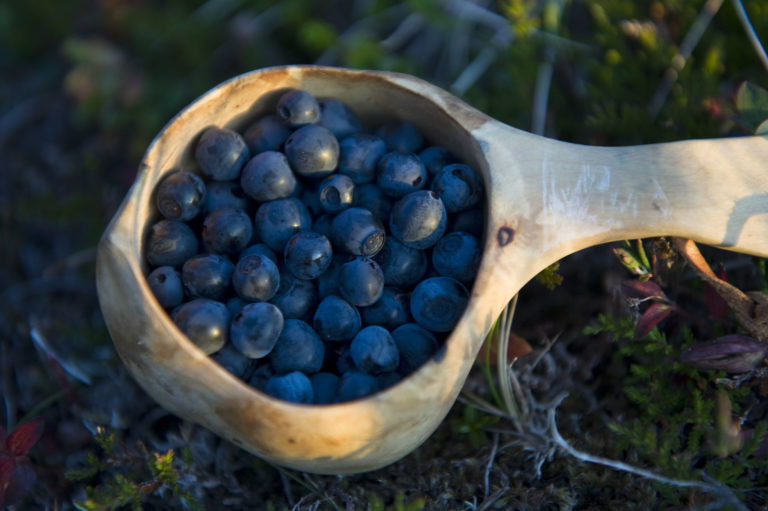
x,y
545,199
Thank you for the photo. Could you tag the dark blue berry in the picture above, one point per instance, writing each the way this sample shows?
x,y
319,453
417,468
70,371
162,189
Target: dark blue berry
x,y
179,196
357,232
389,311
312,151
298,107
170,243
307,254
255,329
399,174
328,282
437,303
227,231
457,255
295,297
324,387
401,136
419,219
261,374
338,117
165,283
207,276
435,158
221,154
361,281
205,322
355,385
256,278
235,304
471,221
458,186
298,349
359,154
323,224
278,220
402,266
294,387
261,249
415,344
268,133
374,350
267,176
336,319
235,362
225,194
336,193
370,197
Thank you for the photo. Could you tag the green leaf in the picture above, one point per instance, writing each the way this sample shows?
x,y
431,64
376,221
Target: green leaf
x,y
752,104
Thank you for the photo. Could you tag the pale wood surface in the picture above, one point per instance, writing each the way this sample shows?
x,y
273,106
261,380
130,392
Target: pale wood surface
x,y
546,199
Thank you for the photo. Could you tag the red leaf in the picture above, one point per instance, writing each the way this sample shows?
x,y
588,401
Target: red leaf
x,y
650,318
637,289
24,437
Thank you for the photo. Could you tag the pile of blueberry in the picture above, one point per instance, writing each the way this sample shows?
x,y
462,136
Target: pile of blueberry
x,y
318,261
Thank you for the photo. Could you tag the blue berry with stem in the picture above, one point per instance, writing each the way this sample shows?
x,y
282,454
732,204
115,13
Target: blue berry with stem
x,y
180,196
307,254
419,219
294,387
298,349
357,232
399,174
221,153
256,278
227,231
207,276
165,283
205,322
170,243
437,303
255,329
361,281
336,193
312,151
298,107
268,176
459,186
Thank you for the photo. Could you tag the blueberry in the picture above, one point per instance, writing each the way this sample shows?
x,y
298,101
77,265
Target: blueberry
x,y
294,387
336,319
357,232
471,221
401,136
261,374
205,322
419,219
336,193
370,197
389,311
358,156
207,276
324,387
170,243
312,151
221,153
235,362
278,220
259,248
458,186
355,385
298,107
268,133
323,224
343,362
402,266
307,254
267,176
399,174
256,278
415,344
298,349
457,255
179,196
435,158
338,117
235,304
255,329
328,282
361,281
437,303
165,283
295,297
227,231
225,194
374,350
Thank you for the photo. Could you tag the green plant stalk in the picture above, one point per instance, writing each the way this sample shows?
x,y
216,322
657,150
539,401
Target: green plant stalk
x,y
489,340
507,379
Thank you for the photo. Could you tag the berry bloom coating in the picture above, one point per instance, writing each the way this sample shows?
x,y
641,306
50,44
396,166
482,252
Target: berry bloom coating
x,y
336,319
227,231
266,134
338,118
389,311
179,196
435,158
355,385
221,153
170,243
415,344
312,151
307,254
294,387
458,186
207,276
336,193
419,219
324,387
278,220
401,136
437,303
165,283
298,107
457,255
359,155
296,298
374,351
298,349
225,194
361,281
267,176
205,322
357,232
402,266
256,328
400,174
235,362
256,278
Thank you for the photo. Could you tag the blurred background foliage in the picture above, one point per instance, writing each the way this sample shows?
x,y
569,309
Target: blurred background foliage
x,y
86,84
